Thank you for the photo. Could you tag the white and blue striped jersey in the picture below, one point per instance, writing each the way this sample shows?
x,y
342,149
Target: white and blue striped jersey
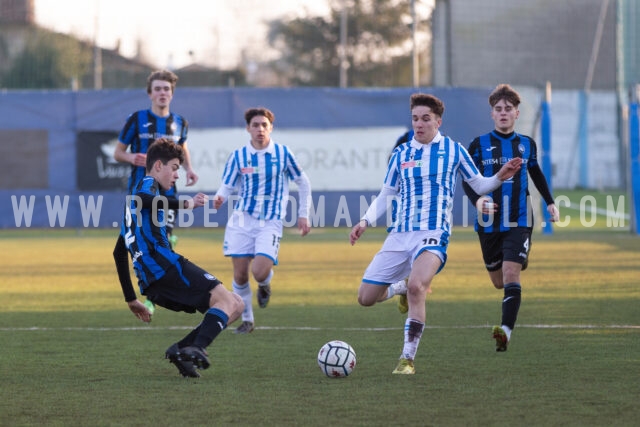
x,y
424,178
263,178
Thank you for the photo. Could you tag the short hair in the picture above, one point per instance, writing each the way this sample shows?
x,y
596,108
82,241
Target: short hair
x,y
427,100
506,92
164,75
258,111
165,150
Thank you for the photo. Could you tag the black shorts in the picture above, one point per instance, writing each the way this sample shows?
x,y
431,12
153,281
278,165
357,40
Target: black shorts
x,y
512,245
186,291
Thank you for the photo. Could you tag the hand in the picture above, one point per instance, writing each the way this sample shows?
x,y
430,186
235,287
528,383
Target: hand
x,y
486,206
139,159
303,226
192,178
357,231
139,310
217,202
509,169
196,201
554,213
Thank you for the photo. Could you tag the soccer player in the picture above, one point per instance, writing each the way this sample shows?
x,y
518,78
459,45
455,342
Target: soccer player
x,y
422,173
144,126
262,169
140,130
165,277
505,221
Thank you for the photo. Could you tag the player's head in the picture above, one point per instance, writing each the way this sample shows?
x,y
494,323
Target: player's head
x,y
259,125
506,93
504,103
259,111
164,76
426,116
164,158
427,100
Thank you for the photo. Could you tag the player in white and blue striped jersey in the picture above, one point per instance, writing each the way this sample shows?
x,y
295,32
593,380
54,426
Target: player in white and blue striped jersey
x,y
261,170
422,175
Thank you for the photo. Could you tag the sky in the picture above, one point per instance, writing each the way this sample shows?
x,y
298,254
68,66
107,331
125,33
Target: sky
x,y
174,33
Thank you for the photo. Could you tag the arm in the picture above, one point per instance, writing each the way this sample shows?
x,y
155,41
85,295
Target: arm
x,y
375,211
484,185
121,258
304,196
192,178
222,195
541,184
148,201
122,155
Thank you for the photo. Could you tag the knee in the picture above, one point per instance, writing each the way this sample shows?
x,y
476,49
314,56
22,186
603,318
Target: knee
x,y
365,302
238,303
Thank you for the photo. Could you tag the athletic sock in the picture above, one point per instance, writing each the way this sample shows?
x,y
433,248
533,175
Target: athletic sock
x,y
267,281
511,304
188,340
398,288
412,334
244,291
215,320
507,331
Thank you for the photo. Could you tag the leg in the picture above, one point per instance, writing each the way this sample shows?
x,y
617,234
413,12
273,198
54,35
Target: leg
x,y
425,267
369,294
262,270
515,248
242,289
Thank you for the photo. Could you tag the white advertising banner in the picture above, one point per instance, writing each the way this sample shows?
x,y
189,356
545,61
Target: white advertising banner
x,y
334,159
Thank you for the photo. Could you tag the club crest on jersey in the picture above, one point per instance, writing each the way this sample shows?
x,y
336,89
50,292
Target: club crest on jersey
x,y
411,164
173,127
521,148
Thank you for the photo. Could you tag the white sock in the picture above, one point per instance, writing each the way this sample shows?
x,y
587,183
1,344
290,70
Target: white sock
x,y
507,331
398,288
267,281
245,293
412,334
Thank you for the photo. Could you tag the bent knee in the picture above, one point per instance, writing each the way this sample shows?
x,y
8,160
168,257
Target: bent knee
x,y
366,302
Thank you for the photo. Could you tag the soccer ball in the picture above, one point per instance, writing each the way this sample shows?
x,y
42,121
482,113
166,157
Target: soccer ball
x,y
336,359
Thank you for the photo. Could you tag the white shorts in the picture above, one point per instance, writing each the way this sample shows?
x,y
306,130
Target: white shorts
x,y
394,260
246,236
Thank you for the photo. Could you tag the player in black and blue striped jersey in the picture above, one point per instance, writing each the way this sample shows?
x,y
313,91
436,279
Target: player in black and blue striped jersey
x,y
505,218
145,126
165,277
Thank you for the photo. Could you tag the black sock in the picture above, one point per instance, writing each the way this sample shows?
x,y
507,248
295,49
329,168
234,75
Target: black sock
x,y
214,322
511,304
189,339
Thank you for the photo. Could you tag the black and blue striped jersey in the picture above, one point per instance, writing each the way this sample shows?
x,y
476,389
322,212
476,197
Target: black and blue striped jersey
x,y
490,152
145,232
142,128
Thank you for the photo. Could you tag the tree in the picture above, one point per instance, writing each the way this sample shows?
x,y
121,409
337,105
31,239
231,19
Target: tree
x,y
378,46
48,62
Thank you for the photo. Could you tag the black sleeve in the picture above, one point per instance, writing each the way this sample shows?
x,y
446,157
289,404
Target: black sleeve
x,y
148,201
472,195
541,184
121,257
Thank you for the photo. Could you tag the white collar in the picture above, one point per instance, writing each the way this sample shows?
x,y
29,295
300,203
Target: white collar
x,y
270,148
418,145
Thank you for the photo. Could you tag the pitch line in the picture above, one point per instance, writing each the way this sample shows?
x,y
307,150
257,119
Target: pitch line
x,y
312,328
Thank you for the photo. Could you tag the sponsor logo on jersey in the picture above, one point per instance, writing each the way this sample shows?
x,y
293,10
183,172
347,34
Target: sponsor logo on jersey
x,y
249,170
411,164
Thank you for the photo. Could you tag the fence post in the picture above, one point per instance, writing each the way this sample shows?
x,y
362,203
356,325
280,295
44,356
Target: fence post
x,y
545,155
634,151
